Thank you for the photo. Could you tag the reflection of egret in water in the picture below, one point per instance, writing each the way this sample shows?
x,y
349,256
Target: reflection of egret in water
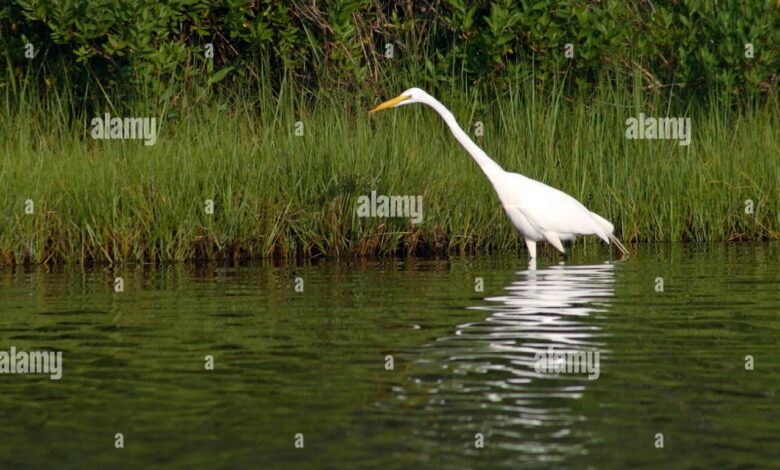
x,y
482,379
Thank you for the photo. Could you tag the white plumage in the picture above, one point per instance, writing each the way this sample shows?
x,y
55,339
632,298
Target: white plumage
x,y
539,212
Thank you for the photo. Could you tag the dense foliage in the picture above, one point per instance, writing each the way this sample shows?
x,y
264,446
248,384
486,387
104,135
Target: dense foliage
x,y
228,122
357,45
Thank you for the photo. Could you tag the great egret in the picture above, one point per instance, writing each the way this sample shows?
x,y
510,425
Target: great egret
x,y
539,212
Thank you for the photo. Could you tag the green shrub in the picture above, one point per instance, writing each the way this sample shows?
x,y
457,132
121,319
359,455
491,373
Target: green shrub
x,y
157,48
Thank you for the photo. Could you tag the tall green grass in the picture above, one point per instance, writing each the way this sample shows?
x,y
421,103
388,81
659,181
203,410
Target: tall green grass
x,y
281,195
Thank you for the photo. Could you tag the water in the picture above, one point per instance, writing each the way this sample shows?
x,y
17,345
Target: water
x,y
671,363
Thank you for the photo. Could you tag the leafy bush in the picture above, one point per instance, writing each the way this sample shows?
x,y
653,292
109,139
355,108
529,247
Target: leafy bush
x,y
158,48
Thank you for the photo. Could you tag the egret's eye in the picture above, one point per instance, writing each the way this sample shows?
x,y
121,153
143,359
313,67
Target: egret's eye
x,y
539,212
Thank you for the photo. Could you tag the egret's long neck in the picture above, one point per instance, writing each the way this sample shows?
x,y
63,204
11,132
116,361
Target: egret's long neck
x,y
489,167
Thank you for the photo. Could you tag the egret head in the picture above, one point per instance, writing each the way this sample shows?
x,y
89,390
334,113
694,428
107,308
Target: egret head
x,y
412,95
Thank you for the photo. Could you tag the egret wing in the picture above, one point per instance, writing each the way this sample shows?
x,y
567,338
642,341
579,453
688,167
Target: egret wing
x,y
551,210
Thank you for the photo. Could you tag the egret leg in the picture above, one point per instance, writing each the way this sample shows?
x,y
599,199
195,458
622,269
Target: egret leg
x,y
531,245
553,239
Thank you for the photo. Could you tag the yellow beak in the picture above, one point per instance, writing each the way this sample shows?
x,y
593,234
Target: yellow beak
x,y
389,103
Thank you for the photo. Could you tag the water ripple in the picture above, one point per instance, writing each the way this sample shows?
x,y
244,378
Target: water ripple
x,y
484,372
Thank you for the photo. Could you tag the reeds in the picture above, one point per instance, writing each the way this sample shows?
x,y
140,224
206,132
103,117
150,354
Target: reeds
x,y
279,194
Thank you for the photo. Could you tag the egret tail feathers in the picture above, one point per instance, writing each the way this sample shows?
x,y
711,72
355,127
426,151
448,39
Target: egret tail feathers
x,y
617,243
605,226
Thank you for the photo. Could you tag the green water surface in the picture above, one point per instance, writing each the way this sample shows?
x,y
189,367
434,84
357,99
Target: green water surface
x,y
673,363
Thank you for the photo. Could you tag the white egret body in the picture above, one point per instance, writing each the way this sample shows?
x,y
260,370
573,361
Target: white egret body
x,y
539,212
